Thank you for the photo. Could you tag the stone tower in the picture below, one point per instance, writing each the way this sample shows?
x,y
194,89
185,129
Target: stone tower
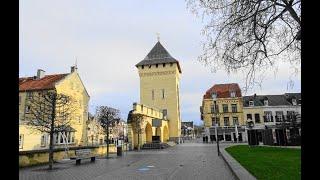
x,y
159,86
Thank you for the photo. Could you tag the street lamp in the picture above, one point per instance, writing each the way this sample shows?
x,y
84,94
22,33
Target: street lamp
x,y
216,125
250,125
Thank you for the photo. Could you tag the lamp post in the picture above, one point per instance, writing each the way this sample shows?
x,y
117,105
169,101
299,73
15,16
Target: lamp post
x,y
250,126
216,126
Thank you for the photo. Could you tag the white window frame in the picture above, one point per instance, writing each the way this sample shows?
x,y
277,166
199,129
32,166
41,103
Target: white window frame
x,y
235,118
251,103
233,94
43,140
266,102
224,121
268,115
214,95
279,112
236,108
223,108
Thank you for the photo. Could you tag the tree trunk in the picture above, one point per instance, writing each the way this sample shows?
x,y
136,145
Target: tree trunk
x,y
51,133
138,141
51,150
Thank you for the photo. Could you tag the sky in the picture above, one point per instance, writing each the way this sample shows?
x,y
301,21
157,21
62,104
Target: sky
x,y
107,39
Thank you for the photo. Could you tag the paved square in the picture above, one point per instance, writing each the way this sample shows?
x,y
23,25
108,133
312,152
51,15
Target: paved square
x,y
184,161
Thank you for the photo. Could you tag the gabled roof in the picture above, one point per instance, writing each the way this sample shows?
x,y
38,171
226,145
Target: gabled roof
x,y
223,90
45,83
273,100
158,55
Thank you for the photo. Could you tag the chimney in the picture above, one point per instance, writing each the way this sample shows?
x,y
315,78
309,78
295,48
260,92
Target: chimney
x,y
73,69
40,73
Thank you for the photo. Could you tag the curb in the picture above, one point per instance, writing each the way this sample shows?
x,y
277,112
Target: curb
x,y
237,170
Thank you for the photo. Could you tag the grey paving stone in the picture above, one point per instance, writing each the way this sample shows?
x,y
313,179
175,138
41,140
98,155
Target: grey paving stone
x,y
184,161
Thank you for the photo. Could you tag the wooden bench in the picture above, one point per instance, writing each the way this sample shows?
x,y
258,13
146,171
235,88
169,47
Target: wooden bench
x,y
84,154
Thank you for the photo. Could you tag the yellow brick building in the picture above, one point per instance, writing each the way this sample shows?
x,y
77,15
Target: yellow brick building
x,y
68,84
222,105
159,76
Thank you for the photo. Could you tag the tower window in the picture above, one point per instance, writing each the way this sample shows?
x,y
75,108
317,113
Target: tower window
x,y
164,112
162,93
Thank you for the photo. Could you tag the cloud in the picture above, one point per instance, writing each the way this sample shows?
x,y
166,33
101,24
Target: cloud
x,y
110,37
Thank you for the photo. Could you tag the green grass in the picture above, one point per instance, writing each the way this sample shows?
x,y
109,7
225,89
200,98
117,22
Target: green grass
x,y
268,162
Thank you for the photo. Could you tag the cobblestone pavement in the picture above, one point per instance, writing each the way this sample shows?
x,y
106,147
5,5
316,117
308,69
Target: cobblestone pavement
x,y
184,161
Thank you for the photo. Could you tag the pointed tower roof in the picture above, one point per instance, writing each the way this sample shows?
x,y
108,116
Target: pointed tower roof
x,y
158,55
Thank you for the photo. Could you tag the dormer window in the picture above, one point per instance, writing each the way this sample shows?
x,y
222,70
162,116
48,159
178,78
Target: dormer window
x,y
233,94
214,95
251,103
294,102
266,102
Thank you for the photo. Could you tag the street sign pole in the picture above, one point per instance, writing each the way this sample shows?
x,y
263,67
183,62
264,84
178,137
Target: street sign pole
x,y
237,133
217,140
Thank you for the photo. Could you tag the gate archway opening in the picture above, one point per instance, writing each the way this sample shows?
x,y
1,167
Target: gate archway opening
x,y
148,130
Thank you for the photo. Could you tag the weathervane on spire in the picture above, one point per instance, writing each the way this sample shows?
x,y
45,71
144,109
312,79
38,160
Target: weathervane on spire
x,y
76,62
158,36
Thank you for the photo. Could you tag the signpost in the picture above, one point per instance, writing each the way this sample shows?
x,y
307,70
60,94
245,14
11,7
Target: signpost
x,y
217,140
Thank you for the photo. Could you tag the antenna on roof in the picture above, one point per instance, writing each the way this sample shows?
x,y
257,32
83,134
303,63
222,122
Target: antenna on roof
x,y
158,36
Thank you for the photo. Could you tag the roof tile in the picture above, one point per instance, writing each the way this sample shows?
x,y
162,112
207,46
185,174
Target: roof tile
x,y
223,90
47,82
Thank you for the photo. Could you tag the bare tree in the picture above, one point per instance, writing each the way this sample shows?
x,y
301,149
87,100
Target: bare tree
x,y
106,117
50,113
249,35
136,121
